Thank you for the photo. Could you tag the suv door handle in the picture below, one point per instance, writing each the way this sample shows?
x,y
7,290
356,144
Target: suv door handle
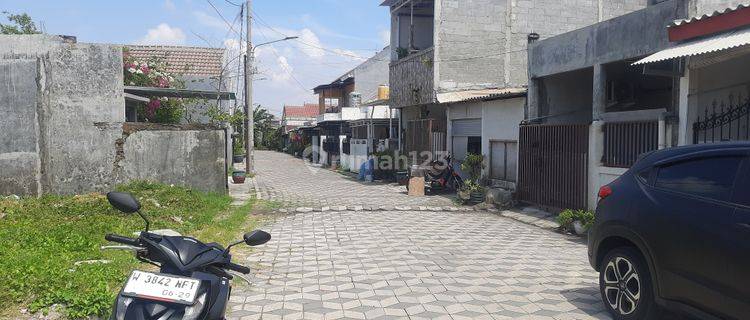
x,y
743,226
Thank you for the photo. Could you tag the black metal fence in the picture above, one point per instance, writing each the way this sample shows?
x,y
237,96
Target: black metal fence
x,y
553,165
723,122
625,141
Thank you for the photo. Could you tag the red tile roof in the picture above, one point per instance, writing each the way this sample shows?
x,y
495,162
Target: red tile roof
x,y
193,61
309,110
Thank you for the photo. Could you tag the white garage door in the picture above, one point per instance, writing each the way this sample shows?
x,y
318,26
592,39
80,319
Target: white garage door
x,y
466,128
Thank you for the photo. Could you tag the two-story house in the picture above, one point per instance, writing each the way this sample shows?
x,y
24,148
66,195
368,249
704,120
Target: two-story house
x,y
355,119
601,96
459,74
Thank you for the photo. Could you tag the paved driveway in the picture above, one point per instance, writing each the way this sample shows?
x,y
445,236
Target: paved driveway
x,y
406,264
289,180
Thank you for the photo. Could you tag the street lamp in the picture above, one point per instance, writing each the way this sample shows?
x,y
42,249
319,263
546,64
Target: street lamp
x,y
249,121
270,42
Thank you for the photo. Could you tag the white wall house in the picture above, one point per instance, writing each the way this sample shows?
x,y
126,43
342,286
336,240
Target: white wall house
x,y
488,125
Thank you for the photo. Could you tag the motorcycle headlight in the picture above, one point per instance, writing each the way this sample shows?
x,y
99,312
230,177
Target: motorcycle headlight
x,y
194,311
122,307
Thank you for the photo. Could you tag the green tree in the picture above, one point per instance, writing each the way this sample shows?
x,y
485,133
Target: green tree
x,y
20,24
262,117
266,133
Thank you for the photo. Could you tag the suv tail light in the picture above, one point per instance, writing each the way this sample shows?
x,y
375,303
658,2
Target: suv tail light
x,y
605,191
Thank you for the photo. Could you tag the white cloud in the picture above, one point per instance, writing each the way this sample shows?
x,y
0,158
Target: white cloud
x,y
234,47
311,45
286,70
210,21
163,34
169,5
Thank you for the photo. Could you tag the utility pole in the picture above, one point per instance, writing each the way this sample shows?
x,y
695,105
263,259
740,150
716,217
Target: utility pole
x,y
249,119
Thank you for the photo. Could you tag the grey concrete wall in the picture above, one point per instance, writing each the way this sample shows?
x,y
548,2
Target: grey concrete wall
x,y
19,158
630,36
63,109
83,117
701,7
567,97
369,75
196,113
193,158
482,43
468,37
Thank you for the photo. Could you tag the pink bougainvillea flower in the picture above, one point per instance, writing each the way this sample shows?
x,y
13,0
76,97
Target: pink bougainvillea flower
x,y
145,69
152,106
163,82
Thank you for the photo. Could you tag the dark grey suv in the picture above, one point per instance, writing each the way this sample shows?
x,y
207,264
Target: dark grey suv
x,y
674,233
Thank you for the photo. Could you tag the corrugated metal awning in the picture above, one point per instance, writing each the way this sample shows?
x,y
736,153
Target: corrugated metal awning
x,y
479,95
724,41
132,97
709,15
179,93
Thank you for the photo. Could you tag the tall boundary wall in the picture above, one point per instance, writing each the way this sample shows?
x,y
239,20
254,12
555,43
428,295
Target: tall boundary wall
x,y
62,115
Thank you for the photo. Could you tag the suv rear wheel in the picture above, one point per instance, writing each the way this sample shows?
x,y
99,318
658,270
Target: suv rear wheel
x,y
625,285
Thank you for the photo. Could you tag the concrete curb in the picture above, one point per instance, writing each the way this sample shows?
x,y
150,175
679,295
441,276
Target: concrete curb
x,y
358,208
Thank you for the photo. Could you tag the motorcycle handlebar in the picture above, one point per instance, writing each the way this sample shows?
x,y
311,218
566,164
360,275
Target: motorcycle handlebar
x,y
123,240
237,267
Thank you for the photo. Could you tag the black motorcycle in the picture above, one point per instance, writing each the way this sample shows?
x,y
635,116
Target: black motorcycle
x,y
439,175
193,282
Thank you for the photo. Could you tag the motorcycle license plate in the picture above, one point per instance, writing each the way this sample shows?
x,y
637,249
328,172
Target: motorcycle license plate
x,y
160,287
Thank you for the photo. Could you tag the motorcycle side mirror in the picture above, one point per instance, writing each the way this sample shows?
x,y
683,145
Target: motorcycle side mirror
x,y
257,237
124,202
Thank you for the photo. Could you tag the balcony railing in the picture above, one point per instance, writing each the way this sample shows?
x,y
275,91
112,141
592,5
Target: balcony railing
x,y
412,79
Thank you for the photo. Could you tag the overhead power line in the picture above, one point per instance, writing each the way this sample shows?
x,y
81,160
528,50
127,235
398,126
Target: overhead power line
x,y
231,27
291,74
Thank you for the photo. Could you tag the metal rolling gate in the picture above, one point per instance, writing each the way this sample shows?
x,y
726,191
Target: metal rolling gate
x,y
553,166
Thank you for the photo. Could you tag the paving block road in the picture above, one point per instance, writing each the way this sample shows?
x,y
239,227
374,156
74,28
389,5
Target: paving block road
x,y
403,264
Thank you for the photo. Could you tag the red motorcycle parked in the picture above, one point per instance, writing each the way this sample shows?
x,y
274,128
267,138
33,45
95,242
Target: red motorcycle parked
x,y
440,176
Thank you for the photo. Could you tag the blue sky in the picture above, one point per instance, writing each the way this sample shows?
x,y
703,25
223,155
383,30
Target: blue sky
x,y
349,30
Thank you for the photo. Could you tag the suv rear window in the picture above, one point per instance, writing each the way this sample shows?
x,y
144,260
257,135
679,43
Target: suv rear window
x,y
708,177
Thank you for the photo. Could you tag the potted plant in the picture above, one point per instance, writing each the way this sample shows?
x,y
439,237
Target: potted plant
x,y
238,176
402,52
238,158
238,151
576,221
472,193
473,165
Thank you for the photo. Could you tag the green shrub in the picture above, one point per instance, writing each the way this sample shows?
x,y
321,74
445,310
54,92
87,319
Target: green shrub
x,y
43,238
568,216
473,165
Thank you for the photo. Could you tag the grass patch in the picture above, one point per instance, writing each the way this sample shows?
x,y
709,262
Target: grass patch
x,y
42,238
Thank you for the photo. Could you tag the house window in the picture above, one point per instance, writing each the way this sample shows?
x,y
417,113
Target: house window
x,y
332,105
474,145
503,160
